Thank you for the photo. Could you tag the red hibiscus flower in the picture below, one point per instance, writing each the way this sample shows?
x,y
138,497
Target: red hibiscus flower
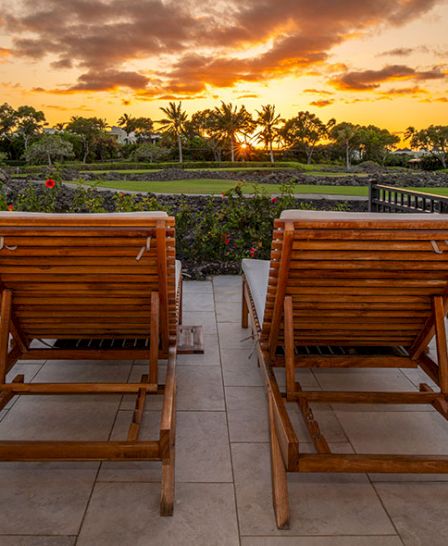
x,y
50,183
252,251
226,239
10,208
274,200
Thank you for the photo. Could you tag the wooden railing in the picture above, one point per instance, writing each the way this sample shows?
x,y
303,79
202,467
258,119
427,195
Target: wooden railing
x,y
392,199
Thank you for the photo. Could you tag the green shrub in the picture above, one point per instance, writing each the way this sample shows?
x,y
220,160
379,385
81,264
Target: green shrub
x,y
126,202
86,200
237,228
211,230
129,165
30,200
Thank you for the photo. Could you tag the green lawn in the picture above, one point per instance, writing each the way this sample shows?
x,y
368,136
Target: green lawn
x,y
213,187
436,191
313,169
219,186
121,171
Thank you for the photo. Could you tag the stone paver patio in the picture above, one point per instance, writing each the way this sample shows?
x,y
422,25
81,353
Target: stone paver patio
x,y
223,493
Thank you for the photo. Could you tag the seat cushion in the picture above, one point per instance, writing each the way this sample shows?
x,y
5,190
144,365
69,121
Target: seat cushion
x,y
257,276
297,214
178,274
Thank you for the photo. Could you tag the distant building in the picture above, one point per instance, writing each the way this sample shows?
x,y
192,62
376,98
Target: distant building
x,y
131,138
122,137
412,153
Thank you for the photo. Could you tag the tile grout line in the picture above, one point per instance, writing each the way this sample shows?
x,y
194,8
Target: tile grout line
x,y
385,509
95,480
14,401
389,517
227,421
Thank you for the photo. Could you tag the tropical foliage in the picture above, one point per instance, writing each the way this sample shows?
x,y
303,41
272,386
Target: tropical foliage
x,y
217,230
49,148
227,132
174,124
434,139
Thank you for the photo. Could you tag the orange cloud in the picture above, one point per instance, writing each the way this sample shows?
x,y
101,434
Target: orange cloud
x,y
103,38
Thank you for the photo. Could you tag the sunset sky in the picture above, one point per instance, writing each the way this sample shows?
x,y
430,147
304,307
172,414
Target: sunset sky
x,y
382,61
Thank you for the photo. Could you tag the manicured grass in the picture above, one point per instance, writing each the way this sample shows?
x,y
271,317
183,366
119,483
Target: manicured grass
x,y
121,171
436,191
214,187
338,174
233,169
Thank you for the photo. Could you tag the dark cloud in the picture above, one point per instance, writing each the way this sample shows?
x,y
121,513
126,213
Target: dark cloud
x,y
109,80
398,52
104,36
436,99
248,96
401,91
318,91
322,103
408,51
81,108
368,80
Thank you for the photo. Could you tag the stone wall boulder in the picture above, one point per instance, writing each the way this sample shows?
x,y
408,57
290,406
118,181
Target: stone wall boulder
x,y
4,177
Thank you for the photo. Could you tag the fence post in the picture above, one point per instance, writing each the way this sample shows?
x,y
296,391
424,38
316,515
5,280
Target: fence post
x,y
372,193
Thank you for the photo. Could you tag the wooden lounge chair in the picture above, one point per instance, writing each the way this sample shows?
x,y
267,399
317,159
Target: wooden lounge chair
x,y
348,290
92,286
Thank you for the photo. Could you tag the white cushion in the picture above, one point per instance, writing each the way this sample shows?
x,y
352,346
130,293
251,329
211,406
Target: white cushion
x,y
178,274
257,276
297,214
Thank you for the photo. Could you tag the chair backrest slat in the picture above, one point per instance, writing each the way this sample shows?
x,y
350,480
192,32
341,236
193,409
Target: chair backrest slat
x,y
355,281
85,276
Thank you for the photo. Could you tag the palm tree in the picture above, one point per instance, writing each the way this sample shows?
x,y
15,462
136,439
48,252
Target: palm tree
x,y
174,123
232,121
59,126
409,133
268,120
128,124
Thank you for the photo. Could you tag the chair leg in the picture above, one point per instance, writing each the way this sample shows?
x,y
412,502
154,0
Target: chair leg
x,y
154,339
290,370
5,318
245,309
279,477
167,493
442,354
181,297
168,474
